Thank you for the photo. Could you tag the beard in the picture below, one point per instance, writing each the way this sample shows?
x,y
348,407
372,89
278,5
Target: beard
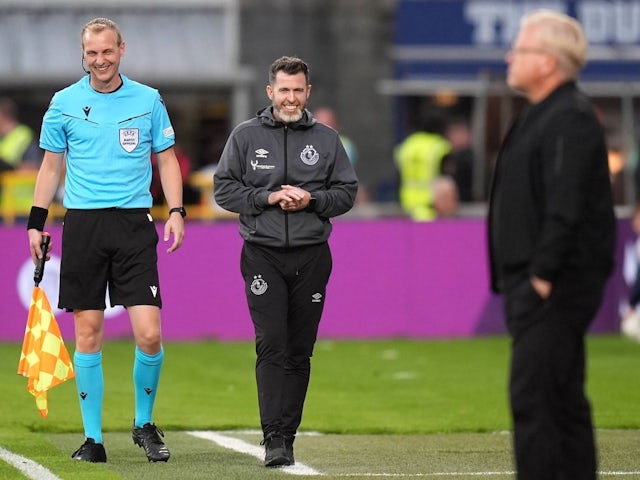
x,y
288,117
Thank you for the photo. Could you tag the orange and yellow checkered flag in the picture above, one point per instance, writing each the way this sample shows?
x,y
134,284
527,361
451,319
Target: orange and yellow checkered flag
x,y
44,358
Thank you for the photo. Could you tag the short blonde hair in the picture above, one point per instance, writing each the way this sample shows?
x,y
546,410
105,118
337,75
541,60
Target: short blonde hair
x,y
563,36
98,25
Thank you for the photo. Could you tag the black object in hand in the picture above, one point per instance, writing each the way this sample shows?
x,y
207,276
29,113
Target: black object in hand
x,y
39,271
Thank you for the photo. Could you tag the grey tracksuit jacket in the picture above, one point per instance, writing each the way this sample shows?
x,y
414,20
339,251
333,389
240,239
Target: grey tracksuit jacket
x,y
261,155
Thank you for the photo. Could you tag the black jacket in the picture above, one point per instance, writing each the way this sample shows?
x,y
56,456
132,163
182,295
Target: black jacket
x,y
262,154
550,207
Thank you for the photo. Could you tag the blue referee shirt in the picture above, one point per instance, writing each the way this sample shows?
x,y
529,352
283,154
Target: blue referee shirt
x,y
108,139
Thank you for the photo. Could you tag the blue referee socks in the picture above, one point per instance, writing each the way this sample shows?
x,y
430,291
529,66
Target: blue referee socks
x,y
90,385
146,375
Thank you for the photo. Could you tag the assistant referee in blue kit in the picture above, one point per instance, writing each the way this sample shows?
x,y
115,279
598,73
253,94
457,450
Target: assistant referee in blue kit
x,y
104,129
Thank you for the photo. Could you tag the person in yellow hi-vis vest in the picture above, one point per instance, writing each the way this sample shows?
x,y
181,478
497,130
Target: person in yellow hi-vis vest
x,y
17,146
419,159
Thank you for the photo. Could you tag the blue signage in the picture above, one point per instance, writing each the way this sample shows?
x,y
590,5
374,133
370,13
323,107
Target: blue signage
x,y
466,38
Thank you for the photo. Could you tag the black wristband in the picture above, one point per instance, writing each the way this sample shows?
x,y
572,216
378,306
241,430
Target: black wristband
x,y
37,218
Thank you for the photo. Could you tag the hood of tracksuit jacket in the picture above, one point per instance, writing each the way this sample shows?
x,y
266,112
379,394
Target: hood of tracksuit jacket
x,y
266,117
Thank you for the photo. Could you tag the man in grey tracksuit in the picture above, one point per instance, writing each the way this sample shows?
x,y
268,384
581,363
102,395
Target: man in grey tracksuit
x,y
286,175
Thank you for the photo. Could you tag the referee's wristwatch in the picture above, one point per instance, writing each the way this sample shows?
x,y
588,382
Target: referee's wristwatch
x,y
180,210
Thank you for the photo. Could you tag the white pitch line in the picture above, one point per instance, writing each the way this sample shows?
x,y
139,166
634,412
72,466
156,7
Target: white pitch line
x,y
241,446
28,467
463,474
618,474
35,471
426,475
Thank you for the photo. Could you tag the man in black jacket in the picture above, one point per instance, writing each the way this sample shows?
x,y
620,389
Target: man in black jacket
x,y
286,175
551,241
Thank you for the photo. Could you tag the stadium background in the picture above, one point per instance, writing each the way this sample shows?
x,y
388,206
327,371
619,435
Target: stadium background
x,y
386,407
379,64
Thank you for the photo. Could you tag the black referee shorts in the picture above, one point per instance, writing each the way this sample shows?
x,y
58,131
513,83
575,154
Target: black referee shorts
x,y
109,247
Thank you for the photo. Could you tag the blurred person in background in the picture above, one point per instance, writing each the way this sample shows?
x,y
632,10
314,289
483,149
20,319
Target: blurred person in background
x,y
328,116
106,127
18,148
190,195
630,322
286,175
419,160
445,197
551,245
458,164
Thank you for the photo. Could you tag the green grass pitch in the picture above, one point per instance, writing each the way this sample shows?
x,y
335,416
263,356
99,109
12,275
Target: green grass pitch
x,y
375,409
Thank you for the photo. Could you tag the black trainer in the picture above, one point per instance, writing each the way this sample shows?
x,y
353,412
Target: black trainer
x,y
149,438
275,451
90,451
288,445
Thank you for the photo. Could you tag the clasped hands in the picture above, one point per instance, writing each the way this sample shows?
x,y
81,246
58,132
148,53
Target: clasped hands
x,y
290,198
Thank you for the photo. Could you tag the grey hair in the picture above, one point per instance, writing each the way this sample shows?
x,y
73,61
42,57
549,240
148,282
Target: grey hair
x,y
561,35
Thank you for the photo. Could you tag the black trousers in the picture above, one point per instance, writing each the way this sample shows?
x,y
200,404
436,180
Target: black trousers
x,y
286,291
553,430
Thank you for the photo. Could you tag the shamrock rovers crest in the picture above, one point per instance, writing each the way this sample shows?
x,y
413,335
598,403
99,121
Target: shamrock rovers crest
x,y
258,286
309,155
